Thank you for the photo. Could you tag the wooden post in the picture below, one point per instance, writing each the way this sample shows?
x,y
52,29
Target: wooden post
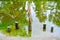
x,y
51,29
16,25
29,21
29,27
9,29
44,27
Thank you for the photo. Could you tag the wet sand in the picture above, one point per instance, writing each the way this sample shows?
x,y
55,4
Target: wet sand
x,y
30,38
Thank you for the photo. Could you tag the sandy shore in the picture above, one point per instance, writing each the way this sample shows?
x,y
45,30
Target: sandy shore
x,y
29,38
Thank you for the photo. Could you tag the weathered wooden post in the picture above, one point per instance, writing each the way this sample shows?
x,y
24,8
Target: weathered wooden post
x,y
29,27
8,29
16,25
51,29
44,27
29,21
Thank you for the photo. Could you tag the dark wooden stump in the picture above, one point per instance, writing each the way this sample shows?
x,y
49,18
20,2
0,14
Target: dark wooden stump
x,y
51,29
44,27
8,30
16,25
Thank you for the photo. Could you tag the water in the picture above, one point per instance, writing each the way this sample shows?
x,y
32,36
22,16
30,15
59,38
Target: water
x,y
37,27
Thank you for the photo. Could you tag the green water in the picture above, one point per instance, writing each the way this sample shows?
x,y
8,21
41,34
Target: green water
x,y
12,11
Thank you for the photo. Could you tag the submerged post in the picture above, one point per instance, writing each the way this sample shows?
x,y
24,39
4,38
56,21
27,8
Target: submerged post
x,y
29,21
16,25
52,29
44,27
8,29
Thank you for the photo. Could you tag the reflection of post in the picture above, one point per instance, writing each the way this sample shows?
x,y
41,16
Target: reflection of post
x,y
51,29
16,25
44,27
29,21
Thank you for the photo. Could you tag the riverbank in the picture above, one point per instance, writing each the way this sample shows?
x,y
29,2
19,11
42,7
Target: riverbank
x,y
29,38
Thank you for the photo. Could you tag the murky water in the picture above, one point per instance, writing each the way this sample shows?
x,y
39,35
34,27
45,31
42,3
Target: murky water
x,y
37,27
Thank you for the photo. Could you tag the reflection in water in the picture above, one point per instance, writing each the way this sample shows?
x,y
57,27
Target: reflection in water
x,y
45,12
48,10
37,26
10,12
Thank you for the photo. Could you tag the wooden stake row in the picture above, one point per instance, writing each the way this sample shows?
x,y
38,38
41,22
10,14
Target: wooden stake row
x,y
44,28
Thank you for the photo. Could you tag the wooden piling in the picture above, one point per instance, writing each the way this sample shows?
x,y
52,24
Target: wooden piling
x,y
52,29
44,27
29,27
16,25
29,21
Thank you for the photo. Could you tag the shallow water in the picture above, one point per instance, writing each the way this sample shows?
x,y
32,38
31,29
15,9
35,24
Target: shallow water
x,y
37,27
